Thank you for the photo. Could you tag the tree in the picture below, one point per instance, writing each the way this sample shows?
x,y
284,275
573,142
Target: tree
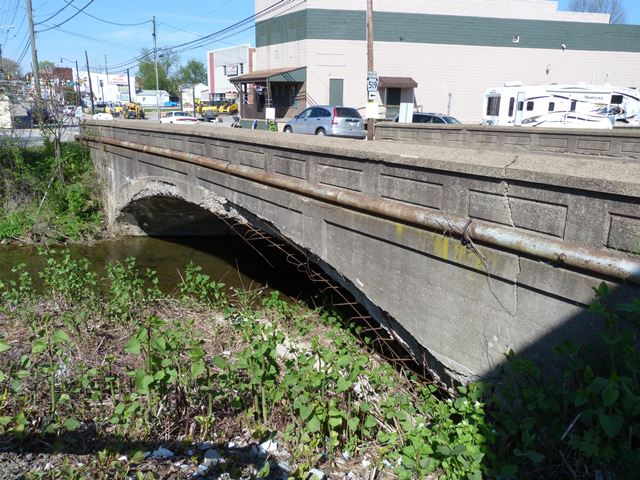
x,y
46,67
615,8
11,69
167,62
193,72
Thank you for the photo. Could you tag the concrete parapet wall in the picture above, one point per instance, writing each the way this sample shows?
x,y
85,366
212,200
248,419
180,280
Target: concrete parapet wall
x,y
618,143
467,304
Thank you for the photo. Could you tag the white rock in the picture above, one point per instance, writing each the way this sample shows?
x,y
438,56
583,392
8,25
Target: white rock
x,y
269,446
366,463
232,445
123,458
350,476
346,455
48,466
315,474
387,463
201,470
162,452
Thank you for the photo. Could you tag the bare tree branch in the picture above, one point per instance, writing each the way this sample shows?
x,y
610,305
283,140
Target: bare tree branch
x,y
615,8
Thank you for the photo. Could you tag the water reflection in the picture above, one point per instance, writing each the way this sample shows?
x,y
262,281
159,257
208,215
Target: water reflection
x,y
226,259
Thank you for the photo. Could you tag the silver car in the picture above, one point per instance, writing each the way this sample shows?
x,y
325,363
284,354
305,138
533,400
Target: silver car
x,y
328,120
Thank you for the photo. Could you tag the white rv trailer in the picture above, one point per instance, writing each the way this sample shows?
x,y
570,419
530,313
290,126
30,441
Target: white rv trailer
x,y
569,106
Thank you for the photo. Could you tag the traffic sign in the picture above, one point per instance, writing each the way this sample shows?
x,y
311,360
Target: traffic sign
x,y
372,81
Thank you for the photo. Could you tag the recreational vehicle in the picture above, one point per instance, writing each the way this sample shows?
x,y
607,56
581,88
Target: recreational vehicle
x,y
569,106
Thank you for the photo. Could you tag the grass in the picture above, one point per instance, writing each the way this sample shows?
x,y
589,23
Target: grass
x,y
127,368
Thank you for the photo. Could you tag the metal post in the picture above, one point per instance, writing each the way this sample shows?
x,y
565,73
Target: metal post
x,y
155,61
93,105
369,57
34,52
129,85
78,85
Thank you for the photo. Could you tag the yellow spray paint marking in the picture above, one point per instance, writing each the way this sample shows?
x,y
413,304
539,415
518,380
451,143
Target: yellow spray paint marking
x,y
441,247
399,230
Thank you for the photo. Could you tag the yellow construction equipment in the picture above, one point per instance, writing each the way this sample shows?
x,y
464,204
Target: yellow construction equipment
x,y
114,108
206,110
133,110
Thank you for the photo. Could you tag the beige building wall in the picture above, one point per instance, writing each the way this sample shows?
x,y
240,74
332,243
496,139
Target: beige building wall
x,y
462,70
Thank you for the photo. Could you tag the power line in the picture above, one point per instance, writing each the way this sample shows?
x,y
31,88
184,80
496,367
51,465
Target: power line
x,y
107,21
54,14
99,40
24,52
68,19
210,38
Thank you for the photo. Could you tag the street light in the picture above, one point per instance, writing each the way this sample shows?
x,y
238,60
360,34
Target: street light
x,y
77,78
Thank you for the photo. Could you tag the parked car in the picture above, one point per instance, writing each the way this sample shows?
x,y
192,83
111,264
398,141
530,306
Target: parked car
x,y
328,120
178,117
420,117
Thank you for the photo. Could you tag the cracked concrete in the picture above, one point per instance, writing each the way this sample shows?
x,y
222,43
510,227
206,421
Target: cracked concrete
x,y
507,185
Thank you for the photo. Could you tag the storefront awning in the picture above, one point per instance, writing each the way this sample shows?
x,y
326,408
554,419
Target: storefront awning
x,y
283,75
397,82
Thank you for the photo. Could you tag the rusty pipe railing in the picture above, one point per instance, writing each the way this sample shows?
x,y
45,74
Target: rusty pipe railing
x,y
560,252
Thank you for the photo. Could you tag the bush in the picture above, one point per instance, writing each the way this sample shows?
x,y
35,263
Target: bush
x,y
48,197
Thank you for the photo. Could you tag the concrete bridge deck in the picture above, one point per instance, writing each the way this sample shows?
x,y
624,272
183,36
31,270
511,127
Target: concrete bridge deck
x,y
469,252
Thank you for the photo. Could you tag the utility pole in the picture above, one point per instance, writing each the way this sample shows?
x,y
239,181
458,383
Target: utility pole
x,y
129,85
93,105
369,57
155,61
34,52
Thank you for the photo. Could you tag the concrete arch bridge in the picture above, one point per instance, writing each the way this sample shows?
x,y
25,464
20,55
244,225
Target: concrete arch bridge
x,y
466,253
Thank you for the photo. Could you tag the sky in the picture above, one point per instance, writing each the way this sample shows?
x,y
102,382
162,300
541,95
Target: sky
x,y
93,29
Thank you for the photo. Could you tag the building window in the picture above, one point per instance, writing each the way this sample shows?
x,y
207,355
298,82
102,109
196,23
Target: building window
x,y
241,68
493,106
574,103
552,106
512,104
616,99
529,106
520,106
393,96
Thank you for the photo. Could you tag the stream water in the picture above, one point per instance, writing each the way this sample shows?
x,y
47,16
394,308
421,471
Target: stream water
x,y
226,259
